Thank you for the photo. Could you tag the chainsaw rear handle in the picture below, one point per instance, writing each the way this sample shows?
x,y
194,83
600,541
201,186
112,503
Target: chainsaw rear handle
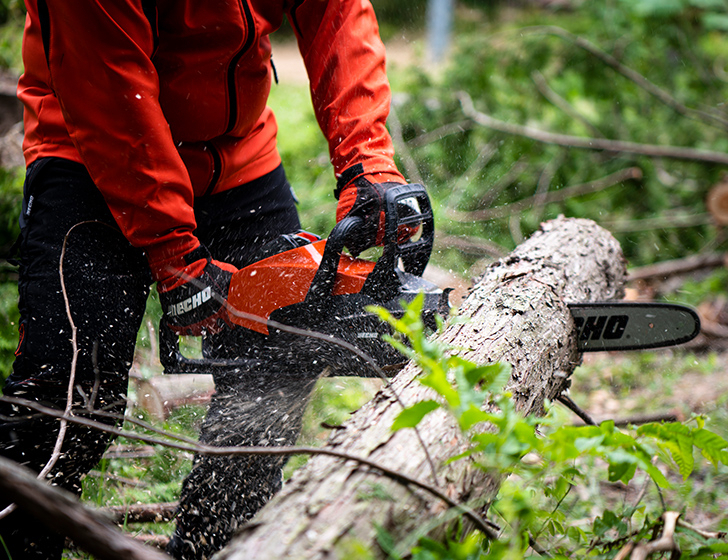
x,y
406,206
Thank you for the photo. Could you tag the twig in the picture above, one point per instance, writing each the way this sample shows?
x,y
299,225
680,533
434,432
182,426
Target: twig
x,y
664,222
561,103
700,532
673,152
666,542
140,513
202,449
56,453
636,77
566,400
156,541
646,419
129,452
679,266
548,198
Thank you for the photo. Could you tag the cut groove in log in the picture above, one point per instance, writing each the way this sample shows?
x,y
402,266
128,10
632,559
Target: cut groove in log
x,y
516,313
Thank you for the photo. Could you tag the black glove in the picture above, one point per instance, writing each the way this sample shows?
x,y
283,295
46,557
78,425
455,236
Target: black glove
x,y
364,199
191,292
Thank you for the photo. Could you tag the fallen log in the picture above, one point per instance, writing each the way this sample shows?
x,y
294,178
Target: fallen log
x,y
516,313
63,513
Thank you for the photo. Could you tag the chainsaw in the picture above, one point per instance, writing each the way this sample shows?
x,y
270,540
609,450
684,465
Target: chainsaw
x,y
306,301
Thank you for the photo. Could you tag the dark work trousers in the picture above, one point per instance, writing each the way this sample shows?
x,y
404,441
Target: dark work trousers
x,y
106,287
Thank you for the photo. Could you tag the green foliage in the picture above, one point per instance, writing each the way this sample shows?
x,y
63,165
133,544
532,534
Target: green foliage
x,y
680,45
9,317
11,194
152,479
501,64
543,457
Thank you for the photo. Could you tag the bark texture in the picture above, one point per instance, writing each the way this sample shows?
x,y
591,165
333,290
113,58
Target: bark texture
x,y
517,313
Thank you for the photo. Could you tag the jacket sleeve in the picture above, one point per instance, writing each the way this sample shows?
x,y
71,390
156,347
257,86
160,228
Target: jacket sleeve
x,y
345,60
99,58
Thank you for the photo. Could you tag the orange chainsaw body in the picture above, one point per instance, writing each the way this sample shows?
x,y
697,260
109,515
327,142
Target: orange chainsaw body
x,y
284,279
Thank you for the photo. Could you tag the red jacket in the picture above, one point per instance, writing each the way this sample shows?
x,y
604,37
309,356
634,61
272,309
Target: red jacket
x,y
164,101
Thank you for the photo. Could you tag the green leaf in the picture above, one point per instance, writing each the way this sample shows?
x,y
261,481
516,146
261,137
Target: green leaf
x,y
710,551
492,377
622,465
712,446
413,415
605,523
583,444
472,416
437,380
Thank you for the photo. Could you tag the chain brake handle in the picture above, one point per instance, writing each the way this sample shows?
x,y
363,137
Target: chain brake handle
x,y
407,206
414,253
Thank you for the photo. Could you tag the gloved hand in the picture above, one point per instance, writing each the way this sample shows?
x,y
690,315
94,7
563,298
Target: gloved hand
x,y
364,199
190,291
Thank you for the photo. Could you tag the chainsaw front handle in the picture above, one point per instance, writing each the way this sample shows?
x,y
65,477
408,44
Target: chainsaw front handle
x,y
406,207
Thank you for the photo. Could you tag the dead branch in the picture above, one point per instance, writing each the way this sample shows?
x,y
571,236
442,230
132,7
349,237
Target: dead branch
x,y
62,512
547,198
665,269
672,152
700,532
636,77
140,513
666,542
686,219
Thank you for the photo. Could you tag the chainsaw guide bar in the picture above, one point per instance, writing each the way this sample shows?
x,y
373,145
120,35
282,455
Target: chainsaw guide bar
x,y
605,326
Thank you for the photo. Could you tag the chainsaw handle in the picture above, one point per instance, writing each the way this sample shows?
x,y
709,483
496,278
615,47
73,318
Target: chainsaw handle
x,y
414,253
323,282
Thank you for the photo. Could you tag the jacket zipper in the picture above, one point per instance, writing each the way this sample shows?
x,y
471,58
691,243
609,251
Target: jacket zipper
x,y
232,96
232,86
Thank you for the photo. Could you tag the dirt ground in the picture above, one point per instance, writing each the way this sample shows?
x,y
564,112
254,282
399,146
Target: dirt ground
x,y
290,69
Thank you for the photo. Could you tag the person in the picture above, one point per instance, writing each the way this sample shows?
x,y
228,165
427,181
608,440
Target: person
x,y
151,157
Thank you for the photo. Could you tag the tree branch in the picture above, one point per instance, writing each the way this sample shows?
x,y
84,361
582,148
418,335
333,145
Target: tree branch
x,y
62,512
259,450
566,140
547,198
636,77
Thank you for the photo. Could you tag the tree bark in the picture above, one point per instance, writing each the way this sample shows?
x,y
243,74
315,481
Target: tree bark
x,y
516,313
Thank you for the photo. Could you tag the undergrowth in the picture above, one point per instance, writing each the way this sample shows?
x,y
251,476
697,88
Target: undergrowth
x,y
551,465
